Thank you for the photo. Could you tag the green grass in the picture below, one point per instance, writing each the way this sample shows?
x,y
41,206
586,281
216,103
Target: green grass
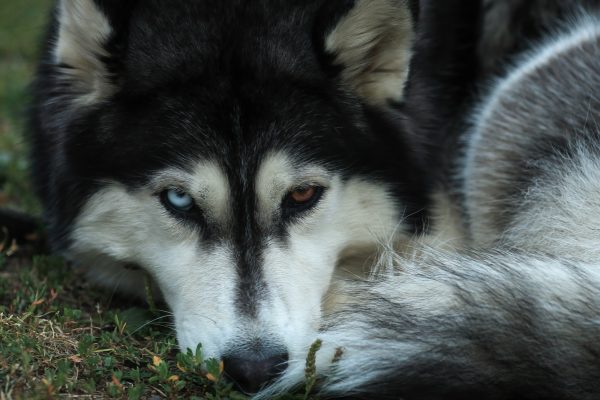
x,y
21,25
59,337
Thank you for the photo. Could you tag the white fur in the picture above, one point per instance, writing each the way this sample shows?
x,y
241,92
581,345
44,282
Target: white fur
x,y
83,32
562,215
373,42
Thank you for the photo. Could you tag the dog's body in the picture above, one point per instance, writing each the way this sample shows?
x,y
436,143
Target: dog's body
x,y
239,152
515,314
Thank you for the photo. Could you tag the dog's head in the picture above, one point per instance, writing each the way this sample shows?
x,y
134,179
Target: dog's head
x,y
235,150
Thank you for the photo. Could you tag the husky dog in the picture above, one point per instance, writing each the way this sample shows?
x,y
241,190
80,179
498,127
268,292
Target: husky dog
x,y
516,313
234,151
238,152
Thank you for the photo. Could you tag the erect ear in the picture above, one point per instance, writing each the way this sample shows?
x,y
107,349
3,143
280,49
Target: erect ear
x,y
372,43
80,50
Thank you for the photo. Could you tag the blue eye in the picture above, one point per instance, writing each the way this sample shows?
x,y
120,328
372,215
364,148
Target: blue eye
x,y
178,200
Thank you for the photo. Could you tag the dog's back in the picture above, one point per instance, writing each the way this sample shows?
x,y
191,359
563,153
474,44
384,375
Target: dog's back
x,y
530,135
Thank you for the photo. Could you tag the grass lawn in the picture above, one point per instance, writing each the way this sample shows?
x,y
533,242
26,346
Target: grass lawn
x,y
59,337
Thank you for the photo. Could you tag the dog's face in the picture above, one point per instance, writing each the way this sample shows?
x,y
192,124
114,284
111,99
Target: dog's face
x,y
232,151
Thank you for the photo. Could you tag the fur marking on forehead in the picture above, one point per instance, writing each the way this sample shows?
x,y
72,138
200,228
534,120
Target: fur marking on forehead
x,y
207,183
278,173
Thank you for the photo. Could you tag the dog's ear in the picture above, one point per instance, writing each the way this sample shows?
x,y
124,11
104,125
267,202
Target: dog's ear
x,y
370,41
84,31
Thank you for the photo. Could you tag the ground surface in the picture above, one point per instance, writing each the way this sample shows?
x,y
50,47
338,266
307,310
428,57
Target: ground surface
x,y
59,337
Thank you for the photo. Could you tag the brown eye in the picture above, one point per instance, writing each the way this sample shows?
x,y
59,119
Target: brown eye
x,y
303,195
301,199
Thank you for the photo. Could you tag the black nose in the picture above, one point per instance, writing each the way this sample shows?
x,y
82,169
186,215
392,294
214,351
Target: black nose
x,y
250,375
